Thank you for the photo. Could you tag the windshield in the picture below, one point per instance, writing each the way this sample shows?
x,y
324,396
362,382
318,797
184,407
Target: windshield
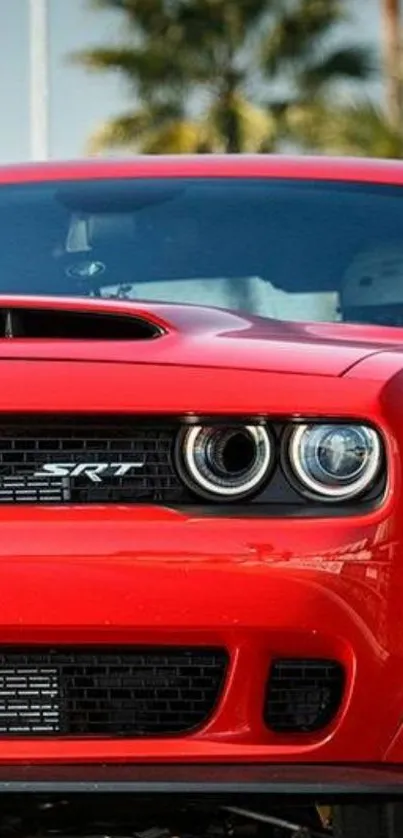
x,y
292,250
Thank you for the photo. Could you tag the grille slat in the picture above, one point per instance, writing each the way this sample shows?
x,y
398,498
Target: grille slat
x,y
120,461
114,694
303,695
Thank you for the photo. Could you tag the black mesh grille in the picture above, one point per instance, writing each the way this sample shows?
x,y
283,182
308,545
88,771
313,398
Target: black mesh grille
x,y
303,694
108,693
82,460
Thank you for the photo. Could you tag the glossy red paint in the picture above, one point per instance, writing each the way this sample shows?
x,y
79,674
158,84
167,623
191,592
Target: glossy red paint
x,y
318,168
260,587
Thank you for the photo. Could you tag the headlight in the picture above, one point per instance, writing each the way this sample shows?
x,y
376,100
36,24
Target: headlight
x,y
336,462
224,463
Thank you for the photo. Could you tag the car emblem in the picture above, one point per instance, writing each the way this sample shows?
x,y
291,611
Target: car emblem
x,y
86,270
95,472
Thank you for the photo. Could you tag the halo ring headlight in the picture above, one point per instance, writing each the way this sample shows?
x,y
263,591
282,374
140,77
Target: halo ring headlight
x,y
334,461
224,463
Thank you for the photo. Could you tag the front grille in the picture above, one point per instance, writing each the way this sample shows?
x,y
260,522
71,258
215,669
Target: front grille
x,y
303,695
115,693
85,460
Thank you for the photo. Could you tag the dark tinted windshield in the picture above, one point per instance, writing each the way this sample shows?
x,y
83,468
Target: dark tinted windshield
x,y
292,250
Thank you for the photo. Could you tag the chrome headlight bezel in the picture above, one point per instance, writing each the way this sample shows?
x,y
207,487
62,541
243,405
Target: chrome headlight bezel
x,y
198,475
331,491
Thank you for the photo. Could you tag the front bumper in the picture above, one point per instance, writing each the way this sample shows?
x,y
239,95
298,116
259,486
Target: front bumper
x,y
315,782
258,588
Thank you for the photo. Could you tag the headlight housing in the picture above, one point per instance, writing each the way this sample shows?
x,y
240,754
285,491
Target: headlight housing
x,y
224,463
334,461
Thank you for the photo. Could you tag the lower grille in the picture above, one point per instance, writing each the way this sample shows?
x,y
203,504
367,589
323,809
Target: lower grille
x,y
303,695
150,692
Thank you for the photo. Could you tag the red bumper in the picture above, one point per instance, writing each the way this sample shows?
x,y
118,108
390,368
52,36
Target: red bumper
x,y
260,588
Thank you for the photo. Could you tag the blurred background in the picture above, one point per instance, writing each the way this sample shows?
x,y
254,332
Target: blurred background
x,y
91,77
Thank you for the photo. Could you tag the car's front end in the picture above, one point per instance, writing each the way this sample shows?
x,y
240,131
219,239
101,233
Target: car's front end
x,y
177,591
200,522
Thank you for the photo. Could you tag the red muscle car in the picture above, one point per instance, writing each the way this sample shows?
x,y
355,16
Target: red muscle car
x,y
201,483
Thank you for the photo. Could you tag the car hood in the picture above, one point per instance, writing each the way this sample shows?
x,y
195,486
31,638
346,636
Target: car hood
x,y
185,335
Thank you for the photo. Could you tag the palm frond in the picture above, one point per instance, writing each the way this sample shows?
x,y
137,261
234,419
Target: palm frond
x,y
149,133
354,63
181,137
125,60
226,21
125,131
146,68
297,28
355,130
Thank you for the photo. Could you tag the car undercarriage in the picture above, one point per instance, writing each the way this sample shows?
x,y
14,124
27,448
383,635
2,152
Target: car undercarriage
x,y
201,816
129,801
147,817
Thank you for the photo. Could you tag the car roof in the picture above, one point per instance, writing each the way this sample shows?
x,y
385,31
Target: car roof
x,y
361,170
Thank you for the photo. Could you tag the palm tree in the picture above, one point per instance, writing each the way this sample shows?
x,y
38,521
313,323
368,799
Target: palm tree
x,y
199,70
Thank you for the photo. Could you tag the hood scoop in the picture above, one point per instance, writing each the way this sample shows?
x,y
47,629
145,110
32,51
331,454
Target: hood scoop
x,y
95,330
69,324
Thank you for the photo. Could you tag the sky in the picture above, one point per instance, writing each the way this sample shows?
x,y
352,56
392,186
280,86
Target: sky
x,y
79,101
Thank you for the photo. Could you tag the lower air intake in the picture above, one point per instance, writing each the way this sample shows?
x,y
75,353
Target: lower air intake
x,y
303,695
124,693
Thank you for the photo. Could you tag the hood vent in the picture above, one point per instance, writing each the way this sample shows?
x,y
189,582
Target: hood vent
x,y
64,324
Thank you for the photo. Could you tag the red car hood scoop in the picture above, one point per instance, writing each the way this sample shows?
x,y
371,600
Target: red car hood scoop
x,y
60,323
86,329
